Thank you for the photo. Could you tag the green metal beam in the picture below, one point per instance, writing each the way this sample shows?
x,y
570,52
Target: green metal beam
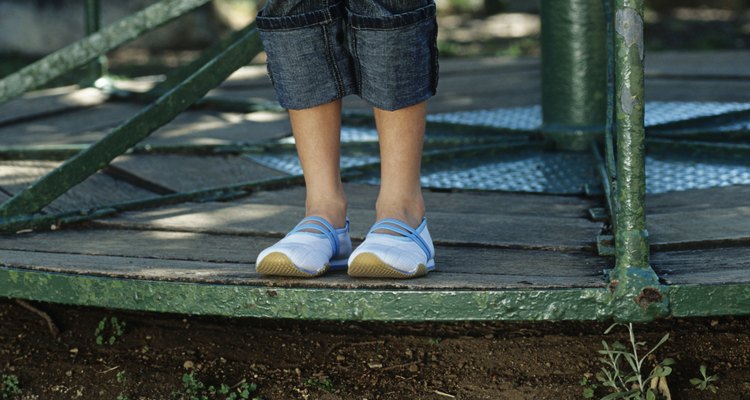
x,y
367,304
573,72
303,303
166,108
709,300
84,50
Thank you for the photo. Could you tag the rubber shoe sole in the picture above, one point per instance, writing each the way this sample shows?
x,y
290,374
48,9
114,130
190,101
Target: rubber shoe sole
x,y
368,265
279,264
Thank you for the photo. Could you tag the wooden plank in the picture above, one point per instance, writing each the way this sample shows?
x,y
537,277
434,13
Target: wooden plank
x,y
74,127
698,199
211,127
49,101
179,172
690,229
212,248
510,231
364,196
243,274
191,127
99,189
703,266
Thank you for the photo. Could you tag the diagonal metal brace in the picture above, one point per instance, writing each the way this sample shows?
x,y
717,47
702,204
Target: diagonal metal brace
x,y
166,108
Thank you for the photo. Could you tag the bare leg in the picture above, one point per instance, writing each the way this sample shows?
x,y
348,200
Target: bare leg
x,y
401,135
317,134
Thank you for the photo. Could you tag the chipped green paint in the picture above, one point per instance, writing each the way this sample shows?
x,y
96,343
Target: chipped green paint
x,y
374,304
303,303
573,72
84,50
167,107
631,236
709,300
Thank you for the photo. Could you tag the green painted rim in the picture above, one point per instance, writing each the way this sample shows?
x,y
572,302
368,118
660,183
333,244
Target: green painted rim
x,y
303,303
364,304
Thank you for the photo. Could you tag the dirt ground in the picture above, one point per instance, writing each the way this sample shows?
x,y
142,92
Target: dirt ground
x,y
154,353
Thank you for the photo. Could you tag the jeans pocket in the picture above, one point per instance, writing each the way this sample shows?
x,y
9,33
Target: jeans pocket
x,y
396,57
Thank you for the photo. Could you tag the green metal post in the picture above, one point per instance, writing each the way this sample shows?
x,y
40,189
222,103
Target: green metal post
x,y
633,278
92,16
574,84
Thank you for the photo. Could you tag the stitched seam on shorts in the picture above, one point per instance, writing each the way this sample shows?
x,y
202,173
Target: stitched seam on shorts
x,y
297,21
357,64
392,22
332,62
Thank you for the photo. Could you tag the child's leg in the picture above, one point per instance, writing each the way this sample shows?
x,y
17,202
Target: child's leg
x,y
311,71
401,135
394,47
317,137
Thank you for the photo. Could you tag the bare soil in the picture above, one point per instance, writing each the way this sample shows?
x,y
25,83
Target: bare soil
x,y
334,360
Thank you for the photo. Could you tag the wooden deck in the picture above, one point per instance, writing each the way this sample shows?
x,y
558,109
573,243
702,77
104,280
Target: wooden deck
x,y
484,241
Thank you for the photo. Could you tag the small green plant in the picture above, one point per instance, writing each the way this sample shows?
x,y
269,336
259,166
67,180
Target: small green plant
x,y
9,387
324,383
194,389
704,383
624,372
589,388
111,331
121,379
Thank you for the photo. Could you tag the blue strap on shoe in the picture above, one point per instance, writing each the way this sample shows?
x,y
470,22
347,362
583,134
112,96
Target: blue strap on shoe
x,y
330,232
408,231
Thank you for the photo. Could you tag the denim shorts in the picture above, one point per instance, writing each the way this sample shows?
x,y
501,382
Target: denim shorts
x,y
318,51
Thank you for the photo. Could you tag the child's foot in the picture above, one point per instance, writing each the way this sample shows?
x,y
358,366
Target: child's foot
x,y
310,249
394,249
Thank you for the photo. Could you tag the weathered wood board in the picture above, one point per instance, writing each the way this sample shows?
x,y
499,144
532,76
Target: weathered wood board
x,y
49,101
77,126
88,125
181,172
228,259
212,248
464,202
703,266
698,199
699,218
489,229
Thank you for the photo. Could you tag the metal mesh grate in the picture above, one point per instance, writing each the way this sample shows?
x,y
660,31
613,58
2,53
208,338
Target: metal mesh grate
x,y
539,171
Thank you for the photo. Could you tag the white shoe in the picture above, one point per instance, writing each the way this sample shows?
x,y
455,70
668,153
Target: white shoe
x,y
383,255
307,254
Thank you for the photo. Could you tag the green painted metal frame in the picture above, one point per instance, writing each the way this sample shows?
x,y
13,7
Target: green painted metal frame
x,y
634,292
366,304
94,45
166,108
